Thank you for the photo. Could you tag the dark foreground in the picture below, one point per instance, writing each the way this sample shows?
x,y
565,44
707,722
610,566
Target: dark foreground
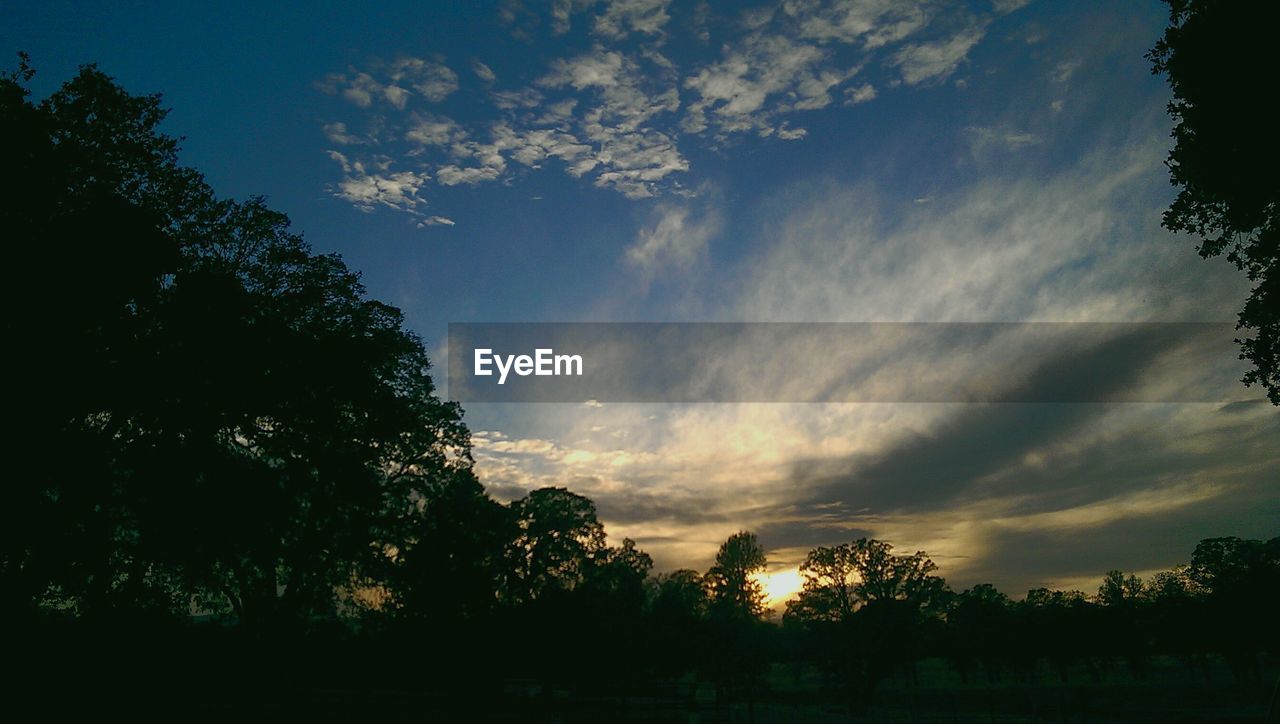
x,y
214,674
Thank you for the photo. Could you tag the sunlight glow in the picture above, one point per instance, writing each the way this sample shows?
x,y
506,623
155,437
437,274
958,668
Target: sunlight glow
x,y
780,586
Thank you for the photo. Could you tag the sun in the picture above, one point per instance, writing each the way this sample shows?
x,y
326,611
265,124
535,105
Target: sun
x,y
780,586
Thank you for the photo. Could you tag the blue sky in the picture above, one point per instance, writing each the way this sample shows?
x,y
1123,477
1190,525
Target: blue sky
x,y
792,160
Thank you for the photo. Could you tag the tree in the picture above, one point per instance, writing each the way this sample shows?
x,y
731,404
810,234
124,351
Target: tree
x,y
870,606
452,561
979,621
1225,155
86,262
1117,589
1237,568
556,539
679,597
1174,584
250,429
618,573
842,579
733,590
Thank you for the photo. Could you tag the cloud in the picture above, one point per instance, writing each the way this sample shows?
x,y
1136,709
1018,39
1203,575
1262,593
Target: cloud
x,y
453,175
621,113
361,89
963,482
624,96
562,12
935,61
871,23
434,81
752,84
396,190
621,17
395,83
368,189
337,133
598,69
983,140
483,72
1063,71
861,94
676,240
436,221
1018,494
1004,7
431,130
796,55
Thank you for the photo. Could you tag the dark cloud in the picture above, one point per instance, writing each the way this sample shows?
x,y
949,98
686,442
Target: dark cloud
x,y
1016,561
980,450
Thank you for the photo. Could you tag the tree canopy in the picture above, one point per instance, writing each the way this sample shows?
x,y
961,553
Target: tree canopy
x,y
1217,58
734,592
210,410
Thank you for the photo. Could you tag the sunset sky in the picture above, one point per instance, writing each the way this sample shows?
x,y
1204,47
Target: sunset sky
x,y
802,160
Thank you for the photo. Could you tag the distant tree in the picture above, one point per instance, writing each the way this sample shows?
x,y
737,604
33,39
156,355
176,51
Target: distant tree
x,y
618,573
1172,584
1236,567
831,581
1059,624
1242,580
840,580
1117,589
1225,155
980,620
678,597
868,607
678,612
733,591
452,561
556,540
1120,626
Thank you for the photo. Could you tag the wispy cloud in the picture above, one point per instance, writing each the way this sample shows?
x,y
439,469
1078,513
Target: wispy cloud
x,y
962,481
676,241
935,61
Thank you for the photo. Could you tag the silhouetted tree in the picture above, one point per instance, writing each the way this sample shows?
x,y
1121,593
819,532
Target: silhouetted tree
x,y
678,596
1058,623
1242,580
869,607
451,564
250,429
556,539
618,573
979,620
678,610
841,579
733,591
1226,152
1117,589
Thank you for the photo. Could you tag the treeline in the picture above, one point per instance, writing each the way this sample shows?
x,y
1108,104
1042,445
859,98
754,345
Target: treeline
x,y
867,613
228,468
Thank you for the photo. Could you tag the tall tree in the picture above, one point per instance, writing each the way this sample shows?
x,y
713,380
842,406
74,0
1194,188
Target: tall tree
x,y
1217,57
734,592
250,428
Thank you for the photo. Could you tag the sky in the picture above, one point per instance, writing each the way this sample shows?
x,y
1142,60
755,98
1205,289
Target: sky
x,y
789,160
